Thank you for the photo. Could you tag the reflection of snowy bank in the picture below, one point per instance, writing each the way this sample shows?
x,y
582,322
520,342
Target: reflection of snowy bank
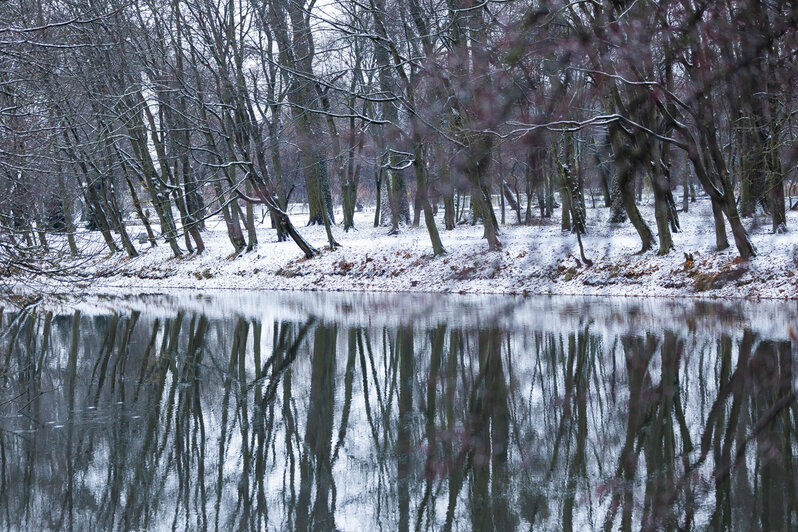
x,y
534,260
613,315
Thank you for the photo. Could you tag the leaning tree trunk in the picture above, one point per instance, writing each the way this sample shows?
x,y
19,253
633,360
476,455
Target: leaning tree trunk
x,y
423,196
68,206
159,195
116,214
475,169
134,197
230,216
625,167
511,200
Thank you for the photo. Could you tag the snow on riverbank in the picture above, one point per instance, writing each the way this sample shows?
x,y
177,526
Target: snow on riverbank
x,y
537,259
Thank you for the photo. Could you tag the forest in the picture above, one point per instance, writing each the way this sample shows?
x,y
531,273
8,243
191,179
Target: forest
x,y
398,265
140,120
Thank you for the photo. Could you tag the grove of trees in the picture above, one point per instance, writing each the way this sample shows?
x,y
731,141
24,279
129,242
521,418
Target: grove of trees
x,y
162,113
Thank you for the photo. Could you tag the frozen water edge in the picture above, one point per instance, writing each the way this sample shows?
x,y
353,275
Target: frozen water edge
x,y
536,259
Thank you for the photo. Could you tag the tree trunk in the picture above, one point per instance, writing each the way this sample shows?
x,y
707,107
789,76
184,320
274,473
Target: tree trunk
x,y
661,210
476,167
296,53
349,202
252,234
119,222
685,189
447,191
640,225
721,241
511,200
416,207
378,186
69,222
625,168
565,200
230,215
664,207
137,206
423,199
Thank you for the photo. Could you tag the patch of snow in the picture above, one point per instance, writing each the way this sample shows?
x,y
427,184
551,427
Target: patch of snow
x,y
534,259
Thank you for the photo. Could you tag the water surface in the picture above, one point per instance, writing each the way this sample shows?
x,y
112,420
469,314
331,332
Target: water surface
x,y
308,411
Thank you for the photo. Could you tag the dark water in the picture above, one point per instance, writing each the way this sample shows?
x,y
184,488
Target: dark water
x,y
366,412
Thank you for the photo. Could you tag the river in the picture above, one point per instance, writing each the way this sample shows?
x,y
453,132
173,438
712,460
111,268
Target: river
x,y
326,411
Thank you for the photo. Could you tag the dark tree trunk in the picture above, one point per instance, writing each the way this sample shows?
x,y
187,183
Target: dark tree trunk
x,y
625,166
511,200
422,194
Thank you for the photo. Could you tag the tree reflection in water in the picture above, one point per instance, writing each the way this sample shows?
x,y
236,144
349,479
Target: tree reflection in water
x,y
141,419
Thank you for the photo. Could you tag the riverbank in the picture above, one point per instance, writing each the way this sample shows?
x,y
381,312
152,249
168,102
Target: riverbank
x,y
536,259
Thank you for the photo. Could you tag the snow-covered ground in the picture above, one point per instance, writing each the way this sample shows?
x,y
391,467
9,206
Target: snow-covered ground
x,y
536,259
